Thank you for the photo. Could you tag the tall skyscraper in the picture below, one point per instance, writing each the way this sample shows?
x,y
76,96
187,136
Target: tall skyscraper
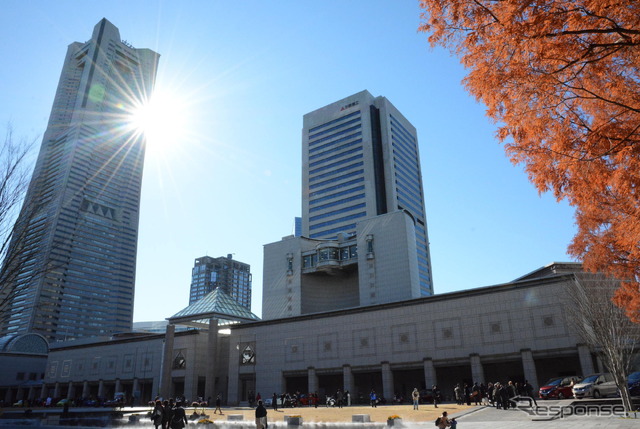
x,y
73,258
364,230
230,276
360,159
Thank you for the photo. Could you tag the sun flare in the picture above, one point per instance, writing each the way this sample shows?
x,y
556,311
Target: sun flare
x,y
162,119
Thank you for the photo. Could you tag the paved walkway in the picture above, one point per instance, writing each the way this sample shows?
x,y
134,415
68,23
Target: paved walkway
x,y
550,415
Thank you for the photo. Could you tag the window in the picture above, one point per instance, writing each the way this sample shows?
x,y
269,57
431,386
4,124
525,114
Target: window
x,y
179,362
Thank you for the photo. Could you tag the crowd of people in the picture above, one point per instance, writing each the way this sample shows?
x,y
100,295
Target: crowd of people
x,y
499,395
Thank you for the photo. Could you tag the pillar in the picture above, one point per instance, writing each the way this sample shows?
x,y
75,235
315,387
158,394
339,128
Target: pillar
x,y
101,389
477,372
529,367
313,379
118,386
586,362
70,391
43,391
31,393
135,390
8,397
387,380
85,389
212,353
56,391
167,358
429,373
347,379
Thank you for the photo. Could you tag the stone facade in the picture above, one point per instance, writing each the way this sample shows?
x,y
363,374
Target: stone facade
x,y
514,331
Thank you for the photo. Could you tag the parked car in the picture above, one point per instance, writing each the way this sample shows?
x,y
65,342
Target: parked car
x,y
558,388
62,402
596,386
633,382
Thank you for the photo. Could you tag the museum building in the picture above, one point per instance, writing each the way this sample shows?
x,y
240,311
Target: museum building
x,y
513,331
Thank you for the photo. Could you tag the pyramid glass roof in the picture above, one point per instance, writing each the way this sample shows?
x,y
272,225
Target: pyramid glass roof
x,y
217,305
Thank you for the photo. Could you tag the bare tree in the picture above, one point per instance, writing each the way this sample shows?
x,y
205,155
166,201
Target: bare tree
x,y
15,172
604,326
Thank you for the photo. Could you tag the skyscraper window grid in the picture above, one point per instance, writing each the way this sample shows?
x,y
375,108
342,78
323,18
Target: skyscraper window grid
x,y
74,251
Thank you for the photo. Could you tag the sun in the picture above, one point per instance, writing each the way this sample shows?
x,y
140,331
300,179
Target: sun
x,y
162,119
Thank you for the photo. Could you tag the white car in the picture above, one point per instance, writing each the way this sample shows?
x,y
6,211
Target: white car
x,y
595,386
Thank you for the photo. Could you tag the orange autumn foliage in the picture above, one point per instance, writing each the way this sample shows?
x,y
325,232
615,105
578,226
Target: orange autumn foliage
x,y
562,81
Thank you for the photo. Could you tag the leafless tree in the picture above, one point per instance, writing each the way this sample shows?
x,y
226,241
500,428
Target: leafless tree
x,y
604,326
15,172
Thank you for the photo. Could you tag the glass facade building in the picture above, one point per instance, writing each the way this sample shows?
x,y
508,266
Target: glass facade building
x,y
223,273
70,269
360,159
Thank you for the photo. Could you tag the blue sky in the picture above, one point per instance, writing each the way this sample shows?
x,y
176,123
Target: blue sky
x,y
242,75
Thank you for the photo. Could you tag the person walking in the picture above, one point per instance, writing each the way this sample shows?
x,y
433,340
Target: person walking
x,y
261,416
415,395
373,398
274,402
179,419
157,415
218,404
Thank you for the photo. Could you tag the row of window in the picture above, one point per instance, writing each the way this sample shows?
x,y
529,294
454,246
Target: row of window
x,y
340,149
336,156
336,172
335,212
336,203
330,254
339,220
337,194
333,231
331,130
336,179
341,118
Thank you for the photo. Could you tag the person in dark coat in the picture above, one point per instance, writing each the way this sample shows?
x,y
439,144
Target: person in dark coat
x,y
179,419
261,416
157,415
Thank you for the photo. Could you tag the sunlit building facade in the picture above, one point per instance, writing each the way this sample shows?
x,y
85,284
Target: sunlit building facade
x,y
360,159
363,237
71,266
224,273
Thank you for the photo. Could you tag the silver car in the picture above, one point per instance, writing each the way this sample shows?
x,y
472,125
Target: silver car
x,y
595,386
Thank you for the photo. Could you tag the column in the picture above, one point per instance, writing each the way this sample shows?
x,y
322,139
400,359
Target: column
x,y
429,373
118,386
56,390
586,362
477,372
154,387
8,399
529,367
387,380
347,378
135,390
313,379
85,389
101,389
43,392
30,393
70,391
212,353
167,358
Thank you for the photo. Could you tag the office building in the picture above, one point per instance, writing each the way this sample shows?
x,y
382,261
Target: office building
x,y
224,273
364,231
71,266
360,159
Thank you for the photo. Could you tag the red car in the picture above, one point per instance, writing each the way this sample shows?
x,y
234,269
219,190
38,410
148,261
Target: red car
x,y
558,388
